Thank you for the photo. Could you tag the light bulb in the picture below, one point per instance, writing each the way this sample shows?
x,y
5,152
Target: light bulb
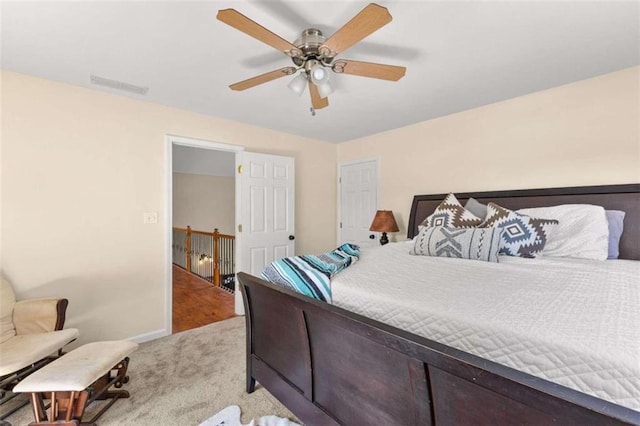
x,y
318,74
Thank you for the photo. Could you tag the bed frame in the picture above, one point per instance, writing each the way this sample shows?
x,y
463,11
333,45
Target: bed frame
x,y
330,366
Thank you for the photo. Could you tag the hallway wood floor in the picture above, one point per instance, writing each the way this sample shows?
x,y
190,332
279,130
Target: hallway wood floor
x,y
197,302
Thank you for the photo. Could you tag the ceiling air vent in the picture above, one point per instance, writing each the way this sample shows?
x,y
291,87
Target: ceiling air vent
x,y
118,85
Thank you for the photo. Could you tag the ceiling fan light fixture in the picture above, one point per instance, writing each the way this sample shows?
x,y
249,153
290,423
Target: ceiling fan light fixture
x,y
298,84
314,54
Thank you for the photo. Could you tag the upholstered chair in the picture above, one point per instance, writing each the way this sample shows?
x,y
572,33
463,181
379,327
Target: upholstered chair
x,y
31,335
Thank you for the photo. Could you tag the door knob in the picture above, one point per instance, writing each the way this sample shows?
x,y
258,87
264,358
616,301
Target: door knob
x,y
291,237
372,237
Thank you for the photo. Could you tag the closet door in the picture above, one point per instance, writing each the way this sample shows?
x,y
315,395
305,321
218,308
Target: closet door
x,y
358,202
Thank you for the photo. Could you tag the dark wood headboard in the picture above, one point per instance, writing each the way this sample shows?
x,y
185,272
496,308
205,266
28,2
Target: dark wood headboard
x,y
611,197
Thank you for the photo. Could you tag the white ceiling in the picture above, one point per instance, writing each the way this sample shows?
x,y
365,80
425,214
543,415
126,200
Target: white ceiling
x,y
201,161
459,55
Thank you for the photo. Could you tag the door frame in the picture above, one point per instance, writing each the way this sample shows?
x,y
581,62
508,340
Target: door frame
x,y
339,189
170,141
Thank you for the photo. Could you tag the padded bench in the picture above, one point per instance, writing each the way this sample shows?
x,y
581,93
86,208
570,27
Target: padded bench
x,y
76,379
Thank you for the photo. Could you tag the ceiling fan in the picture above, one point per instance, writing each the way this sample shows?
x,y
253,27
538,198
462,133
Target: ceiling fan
x,y
313,54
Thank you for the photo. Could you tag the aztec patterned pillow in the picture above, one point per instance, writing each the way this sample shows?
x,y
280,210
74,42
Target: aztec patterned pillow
x,y
523,236
474,244
451,214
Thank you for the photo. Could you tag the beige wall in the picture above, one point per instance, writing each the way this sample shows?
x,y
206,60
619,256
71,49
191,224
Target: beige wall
x,y
204,202
79,169
585,133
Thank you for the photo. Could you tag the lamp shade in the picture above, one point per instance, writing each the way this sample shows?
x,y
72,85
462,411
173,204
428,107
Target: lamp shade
x,y
384,222
298,83
324,89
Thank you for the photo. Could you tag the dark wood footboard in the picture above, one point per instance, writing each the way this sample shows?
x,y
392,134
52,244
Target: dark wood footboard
x,y
330,366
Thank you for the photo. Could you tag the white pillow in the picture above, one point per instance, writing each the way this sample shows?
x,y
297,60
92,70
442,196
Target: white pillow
x,y
583,231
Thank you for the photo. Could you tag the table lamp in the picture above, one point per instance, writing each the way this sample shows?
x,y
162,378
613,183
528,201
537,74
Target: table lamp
x,y
384,222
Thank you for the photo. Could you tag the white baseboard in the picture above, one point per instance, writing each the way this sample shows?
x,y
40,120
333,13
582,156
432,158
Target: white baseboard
x,y
152,335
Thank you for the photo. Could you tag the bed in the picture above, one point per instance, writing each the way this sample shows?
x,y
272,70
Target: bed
x,y
330,365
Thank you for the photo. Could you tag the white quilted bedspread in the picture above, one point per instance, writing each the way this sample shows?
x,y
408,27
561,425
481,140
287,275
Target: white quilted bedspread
x,y
573,322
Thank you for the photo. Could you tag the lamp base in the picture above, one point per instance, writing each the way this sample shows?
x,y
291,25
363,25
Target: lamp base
x,y
384,240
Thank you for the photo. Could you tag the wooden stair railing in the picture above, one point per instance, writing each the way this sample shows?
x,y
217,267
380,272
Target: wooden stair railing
x,y
210,255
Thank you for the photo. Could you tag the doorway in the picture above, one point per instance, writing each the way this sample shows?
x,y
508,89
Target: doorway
x,y
264,202
202,211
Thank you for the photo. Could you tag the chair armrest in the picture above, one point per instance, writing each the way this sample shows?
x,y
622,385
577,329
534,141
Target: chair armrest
x,y
39,315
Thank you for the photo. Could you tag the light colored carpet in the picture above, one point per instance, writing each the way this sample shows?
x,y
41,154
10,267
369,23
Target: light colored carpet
x,y
185,379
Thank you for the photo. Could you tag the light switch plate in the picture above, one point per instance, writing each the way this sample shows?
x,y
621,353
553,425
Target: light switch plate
x,y
150,217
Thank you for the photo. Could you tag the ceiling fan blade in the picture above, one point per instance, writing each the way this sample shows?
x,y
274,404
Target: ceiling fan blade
x,y
240,22
262,78
369,69
370,19
316,101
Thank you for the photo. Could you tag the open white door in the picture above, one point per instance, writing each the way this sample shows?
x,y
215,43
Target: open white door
x,y
358,202
267,219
